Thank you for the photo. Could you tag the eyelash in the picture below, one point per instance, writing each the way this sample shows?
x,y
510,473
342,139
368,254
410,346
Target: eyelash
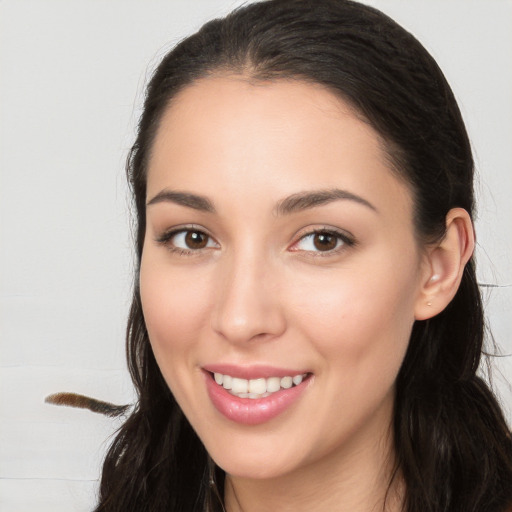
x,y
346,241
166,240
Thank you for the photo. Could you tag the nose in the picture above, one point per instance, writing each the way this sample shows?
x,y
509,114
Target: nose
x,y
248,307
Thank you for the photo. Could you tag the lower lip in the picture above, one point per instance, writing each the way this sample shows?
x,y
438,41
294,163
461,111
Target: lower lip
x,y
252,411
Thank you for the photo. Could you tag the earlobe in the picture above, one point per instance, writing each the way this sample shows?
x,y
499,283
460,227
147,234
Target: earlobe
x,y
444,265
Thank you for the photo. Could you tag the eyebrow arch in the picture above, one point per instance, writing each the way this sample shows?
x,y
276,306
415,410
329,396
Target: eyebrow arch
x,y
305,200
184,199
291,204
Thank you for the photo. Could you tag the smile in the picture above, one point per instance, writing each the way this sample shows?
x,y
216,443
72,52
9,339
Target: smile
x,y
257,388
264,395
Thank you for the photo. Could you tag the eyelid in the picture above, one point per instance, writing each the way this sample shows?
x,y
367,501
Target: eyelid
x,y
168,234
347,238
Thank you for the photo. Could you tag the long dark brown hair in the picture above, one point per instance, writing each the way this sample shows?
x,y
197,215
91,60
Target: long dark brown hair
x,y
453,446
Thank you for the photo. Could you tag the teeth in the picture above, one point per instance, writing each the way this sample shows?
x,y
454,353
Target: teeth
x,y
256,388
240,385
273,384
297,379
286,382
227,382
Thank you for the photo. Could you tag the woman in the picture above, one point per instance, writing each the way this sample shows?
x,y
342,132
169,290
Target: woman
x,y
306,324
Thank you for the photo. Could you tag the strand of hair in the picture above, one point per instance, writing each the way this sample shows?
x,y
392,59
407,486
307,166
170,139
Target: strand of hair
x,y
86,402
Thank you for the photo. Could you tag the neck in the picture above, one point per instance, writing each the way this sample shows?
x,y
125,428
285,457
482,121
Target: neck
x,y
358,480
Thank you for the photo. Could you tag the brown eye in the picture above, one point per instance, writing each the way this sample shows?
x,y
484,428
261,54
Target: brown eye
x,y
187,241
325,241
196,240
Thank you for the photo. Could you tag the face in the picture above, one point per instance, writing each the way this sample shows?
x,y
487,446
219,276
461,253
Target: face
x,y
279,274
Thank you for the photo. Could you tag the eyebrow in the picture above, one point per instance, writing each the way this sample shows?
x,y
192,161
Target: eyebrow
x,y
194,201
306,200
295,203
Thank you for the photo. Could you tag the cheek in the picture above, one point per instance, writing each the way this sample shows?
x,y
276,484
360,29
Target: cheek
x,y
358,319
175,308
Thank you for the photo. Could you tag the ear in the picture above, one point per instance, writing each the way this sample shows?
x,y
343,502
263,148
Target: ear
x,y
444,265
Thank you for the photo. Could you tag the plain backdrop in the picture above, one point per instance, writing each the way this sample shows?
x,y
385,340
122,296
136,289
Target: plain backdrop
x,y
72,74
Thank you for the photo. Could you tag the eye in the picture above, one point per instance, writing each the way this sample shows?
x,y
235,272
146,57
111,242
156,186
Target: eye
x,y
187,240
324,241
191,240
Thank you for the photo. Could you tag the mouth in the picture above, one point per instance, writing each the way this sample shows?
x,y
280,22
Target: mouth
x,y
257,388
265,395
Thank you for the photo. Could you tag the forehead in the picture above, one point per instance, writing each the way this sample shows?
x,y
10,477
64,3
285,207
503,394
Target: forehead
x,y
277,138
281,113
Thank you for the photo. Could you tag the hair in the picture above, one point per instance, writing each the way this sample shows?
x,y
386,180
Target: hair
x,y
453,446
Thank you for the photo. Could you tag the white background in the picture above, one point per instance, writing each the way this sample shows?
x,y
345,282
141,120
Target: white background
x,y
71,79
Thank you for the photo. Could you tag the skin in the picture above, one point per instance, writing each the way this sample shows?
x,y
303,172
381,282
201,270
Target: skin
x,y
261,292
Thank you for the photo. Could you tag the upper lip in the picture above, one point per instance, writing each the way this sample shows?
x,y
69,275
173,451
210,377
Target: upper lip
x,y
252,371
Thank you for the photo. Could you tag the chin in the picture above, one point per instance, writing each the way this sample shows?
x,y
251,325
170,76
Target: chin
x,y
255,464
253,470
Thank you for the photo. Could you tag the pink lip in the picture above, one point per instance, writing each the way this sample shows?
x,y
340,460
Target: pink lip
x,y
249,411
